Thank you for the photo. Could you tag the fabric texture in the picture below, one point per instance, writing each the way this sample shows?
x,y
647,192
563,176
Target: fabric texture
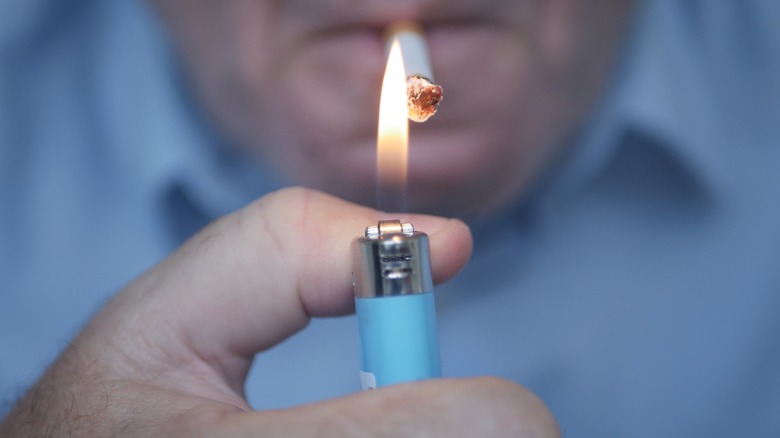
x,y
636,292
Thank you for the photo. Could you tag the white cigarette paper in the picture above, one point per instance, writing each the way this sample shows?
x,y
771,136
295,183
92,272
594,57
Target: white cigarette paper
x,y
423,95
417,60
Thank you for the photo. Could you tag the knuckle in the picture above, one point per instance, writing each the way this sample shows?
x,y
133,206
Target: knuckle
x,y
516,410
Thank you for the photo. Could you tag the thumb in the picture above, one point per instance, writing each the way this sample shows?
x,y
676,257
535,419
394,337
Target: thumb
x,y
253,278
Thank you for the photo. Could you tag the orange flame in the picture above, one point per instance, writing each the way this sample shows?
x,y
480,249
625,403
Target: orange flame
x,y
393,133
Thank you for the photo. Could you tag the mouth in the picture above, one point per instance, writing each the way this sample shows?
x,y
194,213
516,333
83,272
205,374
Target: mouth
x,y
330,18
339,59
360,42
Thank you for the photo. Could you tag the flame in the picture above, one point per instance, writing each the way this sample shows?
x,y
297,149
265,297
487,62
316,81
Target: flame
x,y
393,134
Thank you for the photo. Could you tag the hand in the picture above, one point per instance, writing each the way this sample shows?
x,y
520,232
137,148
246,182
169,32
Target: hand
x,y
169,354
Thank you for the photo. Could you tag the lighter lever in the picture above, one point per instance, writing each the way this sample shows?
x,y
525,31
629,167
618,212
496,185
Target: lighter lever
x,y
395,307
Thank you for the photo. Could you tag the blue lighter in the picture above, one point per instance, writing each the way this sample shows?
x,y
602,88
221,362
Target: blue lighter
x,y
394,304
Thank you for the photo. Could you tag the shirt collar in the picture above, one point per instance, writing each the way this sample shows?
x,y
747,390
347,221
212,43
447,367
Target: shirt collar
x,y
657,91
668,93
156,132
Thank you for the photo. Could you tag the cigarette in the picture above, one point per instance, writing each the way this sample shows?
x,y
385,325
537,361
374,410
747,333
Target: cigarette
x,y
423,94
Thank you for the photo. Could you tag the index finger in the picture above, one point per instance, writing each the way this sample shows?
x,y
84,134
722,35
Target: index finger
x,y
255,277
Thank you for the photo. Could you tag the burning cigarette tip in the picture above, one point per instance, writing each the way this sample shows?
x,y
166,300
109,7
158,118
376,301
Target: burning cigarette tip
x,y
422,98
423,95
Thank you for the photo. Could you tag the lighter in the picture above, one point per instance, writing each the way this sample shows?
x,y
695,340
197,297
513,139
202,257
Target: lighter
x,y
394,304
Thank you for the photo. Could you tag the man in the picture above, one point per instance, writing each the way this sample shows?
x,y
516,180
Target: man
x,y
624,242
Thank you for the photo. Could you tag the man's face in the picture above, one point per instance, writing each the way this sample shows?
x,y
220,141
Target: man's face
x,y
297,82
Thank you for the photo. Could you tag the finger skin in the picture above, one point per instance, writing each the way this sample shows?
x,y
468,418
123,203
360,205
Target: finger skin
x,y
168,356
483,406
172,349
253,278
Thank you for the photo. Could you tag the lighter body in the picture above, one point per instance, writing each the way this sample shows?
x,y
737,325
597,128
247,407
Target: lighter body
x,y
395,306
398,339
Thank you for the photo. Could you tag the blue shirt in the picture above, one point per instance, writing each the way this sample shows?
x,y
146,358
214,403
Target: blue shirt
x,y
636,291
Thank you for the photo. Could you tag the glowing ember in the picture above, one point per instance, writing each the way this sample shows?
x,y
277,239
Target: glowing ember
x,y
422,98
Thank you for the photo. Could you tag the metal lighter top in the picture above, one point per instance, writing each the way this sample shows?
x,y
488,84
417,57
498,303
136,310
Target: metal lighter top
x,y
391,260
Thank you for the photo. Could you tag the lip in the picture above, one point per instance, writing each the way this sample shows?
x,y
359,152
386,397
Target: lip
x,y
354,48
364,39
330,19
